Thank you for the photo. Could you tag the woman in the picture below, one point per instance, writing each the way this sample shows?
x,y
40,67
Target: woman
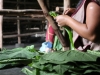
x,y
85,23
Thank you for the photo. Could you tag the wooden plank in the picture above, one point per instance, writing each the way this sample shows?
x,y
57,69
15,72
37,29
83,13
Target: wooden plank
x,y
1,21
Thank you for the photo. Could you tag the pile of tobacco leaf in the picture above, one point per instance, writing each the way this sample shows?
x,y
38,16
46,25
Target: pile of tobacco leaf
x,y
70,62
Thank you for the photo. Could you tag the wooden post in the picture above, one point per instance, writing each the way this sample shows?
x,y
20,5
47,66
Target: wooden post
x,y
18,26
66,4
1,22
48,3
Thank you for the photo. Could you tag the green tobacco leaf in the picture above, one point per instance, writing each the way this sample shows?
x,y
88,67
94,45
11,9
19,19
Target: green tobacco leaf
x,y
68,56
53,13
57,45
48,66
17,53
36,72
28,72
3,65
70,34
47,73
93,65
18,56
97,53
60,69
92,71
60,62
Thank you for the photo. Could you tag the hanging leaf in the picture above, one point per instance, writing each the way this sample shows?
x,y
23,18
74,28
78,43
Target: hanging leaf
x,y
69,31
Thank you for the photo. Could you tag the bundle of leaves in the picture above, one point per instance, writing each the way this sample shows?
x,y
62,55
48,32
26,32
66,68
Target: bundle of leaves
x,y
71,62
18,56
57,45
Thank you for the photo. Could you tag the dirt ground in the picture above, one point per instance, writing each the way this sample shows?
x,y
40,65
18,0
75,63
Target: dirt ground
x,y
12,71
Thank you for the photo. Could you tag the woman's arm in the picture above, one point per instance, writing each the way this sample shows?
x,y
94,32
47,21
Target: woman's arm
x,y
87,30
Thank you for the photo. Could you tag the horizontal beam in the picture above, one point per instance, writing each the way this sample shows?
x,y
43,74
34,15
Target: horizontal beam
x,y
20,2
24,18
26,34
21,12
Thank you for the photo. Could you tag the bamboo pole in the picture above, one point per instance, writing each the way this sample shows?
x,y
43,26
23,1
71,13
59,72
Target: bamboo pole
x,y
1,21
54,25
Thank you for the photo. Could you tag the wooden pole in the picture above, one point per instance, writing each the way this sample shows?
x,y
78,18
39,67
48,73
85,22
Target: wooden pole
x,y
24,18
59,9
18,26
25,34
1,22
66,4
54,25
48,3
22,12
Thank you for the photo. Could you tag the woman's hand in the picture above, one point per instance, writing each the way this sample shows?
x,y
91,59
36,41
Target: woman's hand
x,y
61,20
69,11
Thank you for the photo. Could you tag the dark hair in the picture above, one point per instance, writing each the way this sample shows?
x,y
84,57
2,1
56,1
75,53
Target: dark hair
x,y
98,1
80,1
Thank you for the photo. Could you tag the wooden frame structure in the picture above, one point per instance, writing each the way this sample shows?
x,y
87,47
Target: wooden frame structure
x,y
33,13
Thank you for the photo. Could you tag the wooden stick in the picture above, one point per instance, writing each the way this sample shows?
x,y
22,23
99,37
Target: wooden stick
x,y
59,9
1,21
20,12
25,34
23,18
9,1
66,4
54,25
18,26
